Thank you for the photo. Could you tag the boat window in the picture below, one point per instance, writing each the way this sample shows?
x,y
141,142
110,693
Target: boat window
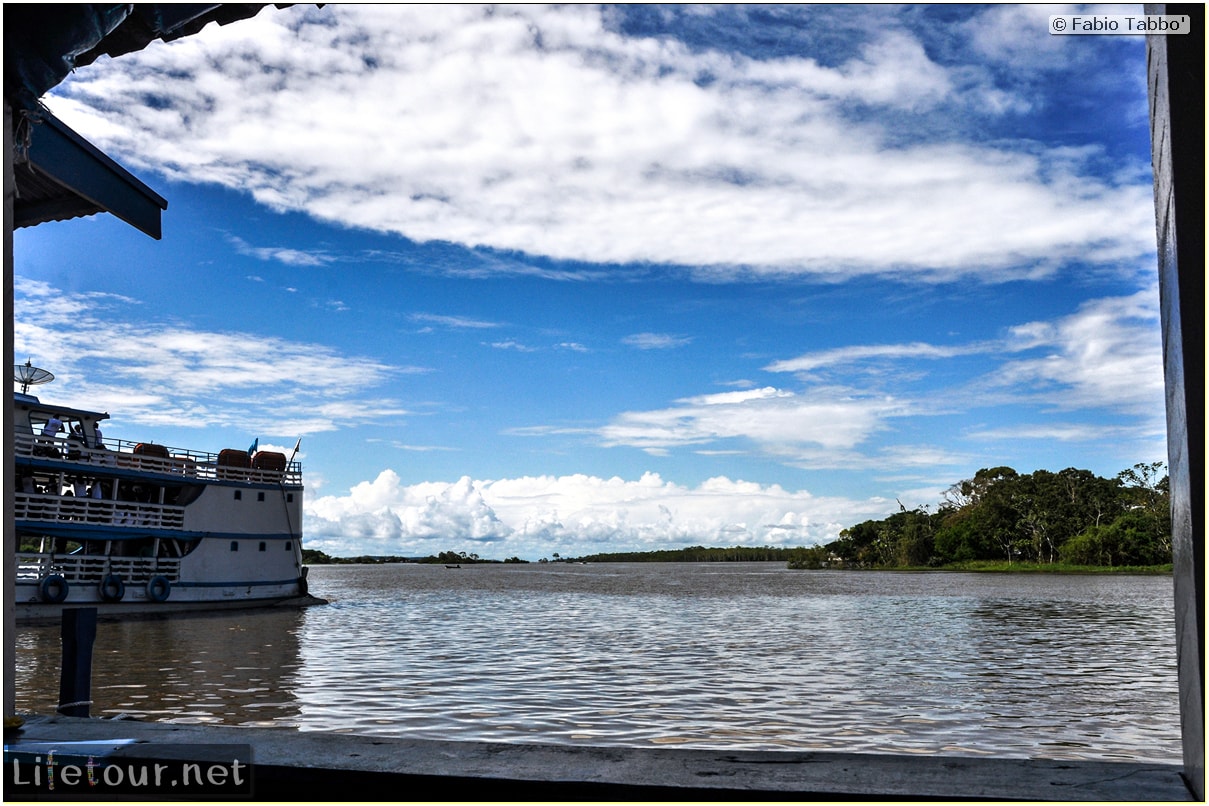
x,y
239,495
288,545
234,545
262,545
259,496
289,497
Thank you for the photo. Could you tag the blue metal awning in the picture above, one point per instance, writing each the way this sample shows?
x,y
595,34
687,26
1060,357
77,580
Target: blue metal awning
x,y
60,175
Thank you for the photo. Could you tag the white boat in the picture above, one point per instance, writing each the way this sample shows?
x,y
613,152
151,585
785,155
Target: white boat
x,y
140,528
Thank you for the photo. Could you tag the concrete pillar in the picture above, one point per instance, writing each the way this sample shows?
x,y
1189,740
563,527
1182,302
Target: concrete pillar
x,y
1176,79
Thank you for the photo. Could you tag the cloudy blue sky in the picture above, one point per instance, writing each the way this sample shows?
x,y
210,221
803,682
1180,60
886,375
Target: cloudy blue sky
x,y
530,280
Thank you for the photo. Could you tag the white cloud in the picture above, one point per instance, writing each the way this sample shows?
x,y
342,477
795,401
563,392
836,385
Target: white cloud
x,y
1063,432
1106,355
279,254
893,71
513,345
850,355
1016,34
190,377
1011,35
537,129
456,322
534,517
655,341
779,421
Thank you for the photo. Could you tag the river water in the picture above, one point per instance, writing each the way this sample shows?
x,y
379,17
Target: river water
x,y
708,655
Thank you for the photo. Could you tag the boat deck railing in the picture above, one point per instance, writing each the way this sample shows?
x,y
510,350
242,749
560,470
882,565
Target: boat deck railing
x,y
93,567
125,454
96,511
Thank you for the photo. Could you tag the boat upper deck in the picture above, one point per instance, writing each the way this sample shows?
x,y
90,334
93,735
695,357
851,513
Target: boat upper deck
x,y
70,440
263,467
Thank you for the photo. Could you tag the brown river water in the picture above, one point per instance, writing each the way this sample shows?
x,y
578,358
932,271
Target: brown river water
x,y
707,655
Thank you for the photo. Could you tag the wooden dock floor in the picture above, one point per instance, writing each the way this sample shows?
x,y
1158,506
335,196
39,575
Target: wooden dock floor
x,y
313,766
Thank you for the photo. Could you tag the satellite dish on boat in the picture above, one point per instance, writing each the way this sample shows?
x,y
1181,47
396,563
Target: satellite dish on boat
x,y
28,375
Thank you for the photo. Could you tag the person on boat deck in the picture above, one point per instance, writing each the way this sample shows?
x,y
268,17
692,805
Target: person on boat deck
x,y
53,426
45,443
75,442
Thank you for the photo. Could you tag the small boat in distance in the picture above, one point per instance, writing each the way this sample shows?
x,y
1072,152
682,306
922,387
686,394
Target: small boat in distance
x,y
453,566
138,528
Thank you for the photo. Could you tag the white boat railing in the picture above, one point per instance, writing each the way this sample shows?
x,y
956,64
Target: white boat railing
x,y
125,454
94,568
59,508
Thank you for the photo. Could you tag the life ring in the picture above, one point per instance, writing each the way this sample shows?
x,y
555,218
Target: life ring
x,y
159,589
112,588
53,588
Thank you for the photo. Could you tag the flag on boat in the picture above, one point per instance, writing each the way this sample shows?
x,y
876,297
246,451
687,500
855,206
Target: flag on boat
x,y
255,444
297,445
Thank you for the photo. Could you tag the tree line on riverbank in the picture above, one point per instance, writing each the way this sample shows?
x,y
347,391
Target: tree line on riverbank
x,y
1072,517
695,554
317,557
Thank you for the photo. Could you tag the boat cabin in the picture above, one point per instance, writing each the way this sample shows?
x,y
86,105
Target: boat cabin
x,y
56,430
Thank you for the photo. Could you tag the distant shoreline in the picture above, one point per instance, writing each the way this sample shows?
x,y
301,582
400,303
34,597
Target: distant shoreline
x,y
700,554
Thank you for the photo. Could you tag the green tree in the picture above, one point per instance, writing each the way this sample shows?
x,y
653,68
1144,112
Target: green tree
x,y
1054,507
1073,515
959,538
813,557
1087,548
856,544
996,494
1138,540
1147,489
916,537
